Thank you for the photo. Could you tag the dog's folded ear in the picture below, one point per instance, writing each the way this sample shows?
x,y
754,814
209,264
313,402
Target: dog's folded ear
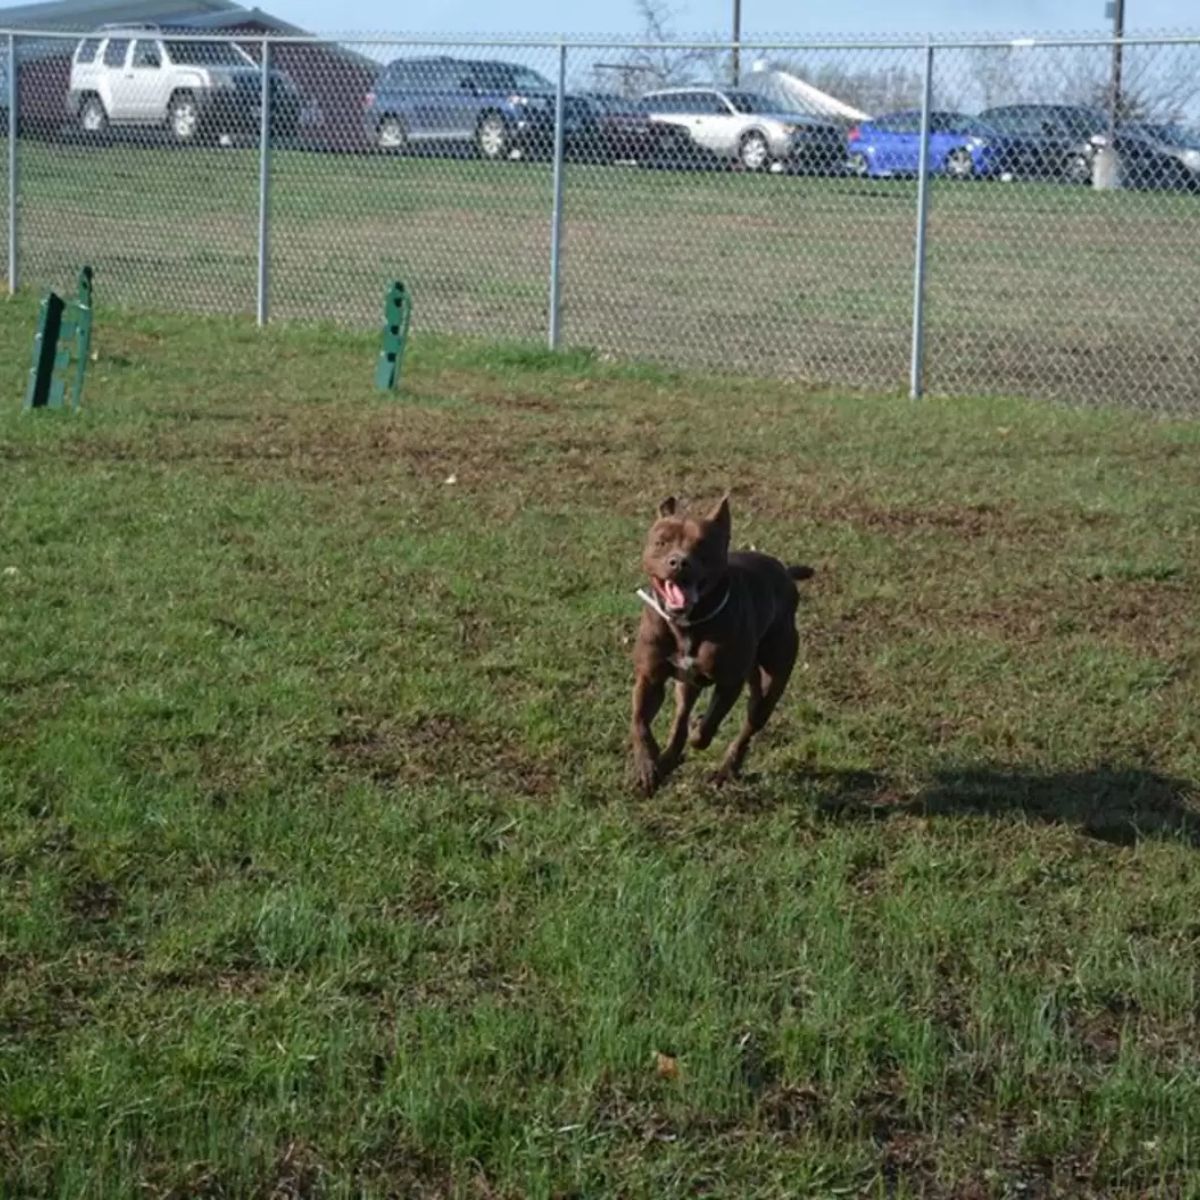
x,y
667,507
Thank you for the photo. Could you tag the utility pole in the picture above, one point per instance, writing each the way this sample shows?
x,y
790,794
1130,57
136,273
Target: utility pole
x,y
1116,10
737,43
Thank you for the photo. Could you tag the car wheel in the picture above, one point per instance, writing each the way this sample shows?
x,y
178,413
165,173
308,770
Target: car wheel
x,y
491,137
754,154
183,117
285,119
93,120
857,164
1079,168
960,164
1175,177
391,134
662,152
677,151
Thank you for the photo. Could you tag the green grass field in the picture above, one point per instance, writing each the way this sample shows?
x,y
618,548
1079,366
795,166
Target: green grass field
x,y
320,875
1033,290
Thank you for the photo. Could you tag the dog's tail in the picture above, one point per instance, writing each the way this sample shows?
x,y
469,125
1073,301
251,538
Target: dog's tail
x,y
801,572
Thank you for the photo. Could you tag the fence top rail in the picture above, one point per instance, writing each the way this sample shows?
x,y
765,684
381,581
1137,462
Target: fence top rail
x,y
938,42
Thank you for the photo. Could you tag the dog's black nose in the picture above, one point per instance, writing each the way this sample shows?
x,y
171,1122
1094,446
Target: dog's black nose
x,y
675,561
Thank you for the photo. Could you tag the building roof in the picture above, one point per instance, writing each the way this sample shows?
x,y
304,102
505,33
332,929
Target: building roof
x,y
83,15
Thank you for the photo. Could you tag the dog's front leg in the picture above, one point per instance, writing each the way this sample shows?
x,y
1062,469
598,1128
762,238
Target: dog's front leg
x,y
647,700
686,695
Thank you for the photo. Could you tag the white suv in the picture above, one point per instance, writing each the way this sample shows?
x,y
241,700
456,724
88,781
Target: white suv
x,y
136,75
749,128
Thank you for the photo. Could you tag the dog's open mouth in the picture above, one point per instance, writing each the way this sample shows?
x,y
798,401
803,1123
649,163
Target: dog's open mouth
x,y
675,598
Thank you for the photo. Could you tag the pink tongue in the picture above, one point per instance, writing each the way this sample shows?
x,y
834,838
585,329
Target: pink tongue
x,y
674,594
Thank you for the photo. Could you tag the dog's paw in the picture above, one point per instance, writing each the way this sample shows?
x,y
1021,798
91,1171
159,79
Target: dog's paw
x,y
723,775
696,738
667,763
646,776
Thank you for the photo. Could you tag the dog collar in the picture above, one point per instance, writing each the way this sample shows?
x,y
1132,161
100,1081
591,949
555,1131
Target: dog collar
x,y
651,601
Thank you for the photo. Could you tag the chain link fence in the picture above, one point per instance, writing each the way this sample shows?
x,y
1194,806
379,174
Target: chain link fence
x,y
8,146
990,217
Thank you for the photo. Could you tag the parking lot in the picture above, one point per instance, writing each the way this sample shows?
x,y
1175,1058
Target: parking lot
x,y
1037,287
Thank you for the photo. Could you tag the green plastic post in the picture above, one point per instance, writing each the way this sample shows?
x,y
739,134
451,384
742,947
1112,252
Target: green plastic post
x,y
64,334
397,312
83,336
45,347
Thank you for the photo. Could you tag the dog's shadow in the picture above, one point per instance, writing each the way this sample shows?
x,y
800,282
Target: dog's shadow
x,y
1112,803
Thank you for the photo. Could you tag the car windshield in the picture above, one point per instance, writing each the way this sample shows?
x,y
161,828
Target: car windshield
x,y
500,77
973,127
1085,123
613,104
1006,121
1173,135
751,102
208,54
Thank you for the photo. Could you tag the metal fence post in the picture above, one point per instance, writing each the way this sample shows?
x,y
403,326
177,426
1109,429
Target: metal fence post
x,y
264,185
556,211
14,277
916,380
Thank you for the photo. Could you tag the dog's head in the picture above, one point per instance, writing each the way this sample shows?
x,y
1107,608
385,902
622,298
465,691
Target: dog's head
x,y
685,557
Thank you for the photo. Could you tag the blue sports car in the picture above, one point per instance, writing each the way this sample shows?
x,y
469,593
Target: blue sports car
x,y
960,146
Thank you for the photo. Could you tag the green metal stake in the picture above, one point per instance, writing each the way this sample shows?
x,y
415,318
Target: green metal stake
x,y
45,347
397,312
83,336
64,331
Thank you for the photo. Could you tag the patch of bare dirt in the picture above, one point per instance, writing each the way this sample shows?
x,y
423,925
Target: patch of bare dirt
x,y
1153,617
228,980
398,1167
298,1173
789,1109
93,901
441,746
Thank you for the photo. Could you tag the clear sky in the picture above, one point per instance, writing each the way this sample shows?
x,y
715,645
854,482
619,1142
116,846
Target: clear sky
x,y
795,17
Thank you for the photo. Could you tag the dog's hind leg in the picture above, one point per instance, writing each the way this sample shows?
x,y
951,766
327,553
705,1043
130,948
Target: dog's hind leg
x,y
724,697
777,656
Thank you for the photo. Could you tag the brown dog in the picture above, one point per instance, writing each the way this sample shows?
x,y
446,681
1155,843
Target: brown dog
x,y
713,618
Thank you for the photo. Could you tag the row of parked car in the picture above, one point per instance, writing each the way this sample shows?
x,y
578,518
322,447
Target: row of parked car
x,y
507,110
1040,141
140,76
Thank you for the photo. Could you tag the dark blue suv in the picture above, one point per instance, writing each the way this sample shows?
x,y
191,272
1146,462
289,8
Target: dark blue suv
x,y
504,109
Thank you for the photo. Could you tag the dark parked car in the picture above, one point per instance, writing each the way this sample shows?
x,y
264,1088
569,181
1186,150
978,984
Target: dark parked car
x,y
1050,141
622,130
503,109
960,147
1159,156
3,94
